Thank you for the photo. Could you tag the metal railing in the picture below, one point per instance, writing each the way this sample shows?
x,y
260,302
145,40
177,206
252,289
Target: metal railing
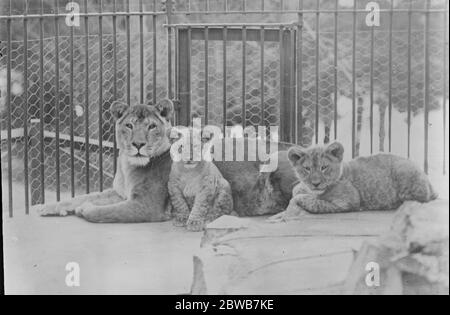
x,y
292,70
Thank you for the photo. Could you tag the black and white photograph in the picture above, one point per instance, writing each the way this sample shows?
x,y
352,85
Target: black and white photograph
x,y
239,149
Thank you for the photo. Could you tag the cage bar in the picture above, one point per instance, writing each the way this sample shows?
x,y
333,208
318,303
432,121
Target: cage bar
x,y
100,97
25,109
86,96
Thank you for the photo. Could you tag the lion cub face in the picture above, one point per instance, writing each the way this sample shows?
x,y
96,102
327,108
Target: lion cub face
x,y
142,130
317,167
192,150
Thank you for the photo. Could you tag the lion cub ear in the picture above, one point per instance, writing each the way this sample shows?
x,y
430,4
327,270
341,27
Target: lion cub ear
x,y
118,109
165,109
295,154
336,150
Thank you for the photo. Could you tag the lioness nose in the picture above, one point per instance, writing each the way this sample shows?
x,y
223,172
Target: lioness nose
x,y
316,184
138,145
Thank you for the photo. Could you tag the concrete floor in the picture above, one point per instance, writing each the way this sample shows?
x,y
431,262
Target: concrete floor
x,y
153,258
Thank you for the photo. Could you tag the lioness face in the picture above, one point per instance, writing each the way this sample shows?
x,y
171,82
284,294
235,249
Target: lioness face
x,y
318,167
142,132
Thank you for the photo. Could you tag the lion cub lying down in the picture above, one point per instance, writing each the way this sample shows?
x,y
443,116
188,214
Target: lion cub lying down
x,y
198,192
328,185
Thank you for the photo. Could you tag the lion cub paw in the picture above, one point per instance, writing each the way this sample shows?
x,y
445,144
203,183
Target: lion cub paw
x,y
195,225
180,221
60,209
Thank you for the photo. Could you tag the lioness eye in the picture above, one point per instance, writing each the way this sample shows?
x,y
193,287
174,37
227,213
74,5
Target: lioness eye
x,y
129,126
324,167
152,126
307,168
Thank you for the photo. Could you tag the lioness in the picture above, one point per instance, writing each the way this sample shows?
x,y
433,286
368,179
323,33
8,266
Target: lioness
x,y
329,185
140,192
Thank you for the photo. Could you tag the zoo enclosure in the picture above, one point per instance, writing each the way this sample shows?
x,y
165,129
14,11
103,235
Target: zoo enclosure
x,y
57,134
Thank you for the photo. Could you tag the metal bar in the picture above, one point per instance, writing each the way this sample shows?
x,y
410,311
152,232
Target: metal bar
x,y
225,35
231,25
244,78
262,5
299,124
316,124
127,17
292,85
282,85
161,13
206,76
154,54
86,96
114,25
169,50
57,101
409,78
41,105
262,43
100,97
354,81
141,52
372,55
81,15
427,86
25,109
234,34
445,85
184,80
72,109
391,19
177,73
335,64
9,110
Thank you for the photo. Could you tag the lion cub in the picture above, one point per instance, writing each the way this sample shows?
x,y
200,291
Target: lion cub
x,y
328,185
198,192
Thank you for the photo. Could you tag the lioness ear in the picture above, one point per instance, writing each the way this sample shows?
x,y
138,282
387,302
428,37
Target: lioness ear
x,y
165,109
336,150
118,109
295,154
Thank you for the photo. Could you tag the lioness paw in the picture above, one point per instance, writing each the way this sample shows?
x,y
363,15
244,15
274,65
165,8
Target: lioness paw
x,y
290,214
195,225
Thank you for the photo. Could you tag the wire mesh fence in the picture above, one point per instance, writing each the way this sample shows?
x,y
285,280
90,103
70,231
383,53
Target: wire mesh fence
x,y
58,82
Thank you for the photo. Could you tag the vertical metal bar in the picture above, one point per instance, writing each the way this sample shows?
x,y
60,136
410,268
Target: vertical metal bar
x,y
100,96
299,124
225,36
427,83
292,84
57,101
169,50
244,78
177,73
262,76
206,75
141,51
184,80
128,52
445,84
354,81
86,96
282,85
335,66
409,77
281,5
154,52
114,25
391,20
9,110
316,124
372,53
41,105
72,109
226,5
25,107
263,5
244,5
